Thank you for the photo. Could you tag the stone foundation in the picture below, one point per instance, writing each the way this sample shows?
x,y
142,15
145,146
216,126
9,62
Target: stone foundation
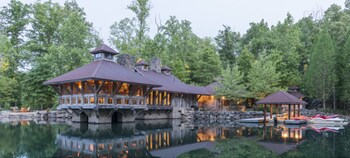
x,y
153,115
103,116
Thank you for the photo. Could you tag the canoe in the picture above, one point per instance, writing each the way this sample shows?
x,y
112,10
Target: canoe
x,y
318,120
294,122
252,120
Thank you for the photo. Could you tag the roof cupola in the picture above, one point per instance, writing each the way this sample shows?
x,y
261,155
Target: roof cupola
x,y
103,52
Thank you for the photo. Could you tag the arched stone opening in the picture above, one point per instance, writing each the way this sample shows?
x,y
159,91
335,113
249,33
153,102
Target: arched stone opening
x,y
116,117
84,118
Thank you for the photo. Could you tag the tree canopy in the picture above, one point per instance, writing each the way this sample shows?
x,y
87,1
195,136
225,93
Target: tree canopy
x,y
41,40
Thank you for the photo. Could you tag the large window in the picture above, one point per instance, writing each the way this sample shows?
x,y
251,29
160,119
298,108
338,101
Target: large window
x,y
98,56
124,90
101,100
108,56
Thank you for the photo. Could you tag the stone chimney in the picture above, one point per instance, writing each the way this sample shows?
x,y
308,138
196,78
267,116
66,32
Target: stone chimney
x,y
155,65
126,60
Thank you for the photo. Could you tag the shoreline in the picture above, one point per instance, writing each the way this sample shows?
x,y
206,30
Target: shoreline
x,y
216,117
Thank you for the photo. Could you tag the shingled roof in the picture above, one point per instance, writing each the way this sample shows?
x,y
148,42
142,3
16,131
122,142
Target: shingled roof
x,y
142,63
171,83
105,70
281,98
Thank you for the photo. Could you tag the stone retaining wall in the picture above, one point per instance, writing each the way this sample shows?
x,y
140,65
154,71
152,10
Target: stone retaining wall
x,y
44,115
221,116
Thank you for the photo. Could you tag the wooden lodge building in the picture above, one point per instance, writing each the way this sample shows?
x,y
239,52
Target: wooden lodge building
x,y
104,91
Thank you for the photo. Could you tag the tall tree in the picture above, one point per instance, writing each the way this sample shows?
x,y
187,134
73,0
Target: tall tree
x,y
320,77
228,43
141,8
308,29
9,84
59,41
285,45
123,36
130,34
257,38
244,62
345,74
13,20
232,85
208,66
263,77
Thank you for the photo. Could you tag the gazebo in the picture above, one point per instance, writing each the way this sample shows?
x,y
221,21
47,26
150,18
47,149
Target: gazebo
x,y
281,98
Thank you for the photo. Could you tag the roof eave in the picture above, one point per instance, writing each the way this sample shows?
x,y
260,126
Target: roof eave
x,y
93,78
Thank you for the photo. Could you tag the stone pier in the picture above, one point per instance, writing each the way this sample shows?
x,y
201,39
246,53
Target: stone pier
x,y
104,116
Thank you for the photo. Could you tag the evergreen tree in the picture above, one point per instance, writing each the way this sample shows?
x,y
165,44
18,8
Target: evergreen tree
x,y
9,84
244,62
232,84
345,71
263,77
286,43
228,43
320,77
208,66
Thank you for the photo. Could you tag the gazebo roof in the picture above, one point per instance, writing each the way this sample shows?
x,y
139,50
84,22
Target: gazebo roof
x,y
296,94
281,98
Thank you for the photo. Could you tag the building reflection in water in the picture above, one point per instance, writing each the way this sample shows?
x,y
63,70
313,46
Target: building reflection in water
x,y
139,139
284,134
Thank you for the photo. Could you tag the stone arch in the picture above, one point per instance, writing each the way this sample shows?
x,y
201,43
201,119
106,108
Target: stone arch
x,y
116,117
84,118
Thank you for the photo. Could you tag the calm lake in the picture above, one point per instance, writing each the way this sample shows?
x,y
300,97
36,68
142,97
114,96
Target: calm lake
x,y
155,138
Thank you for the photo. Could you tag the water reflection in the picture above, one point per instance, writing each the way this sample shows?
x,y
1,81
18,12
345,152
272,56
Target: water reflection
x,y
144,138
284,134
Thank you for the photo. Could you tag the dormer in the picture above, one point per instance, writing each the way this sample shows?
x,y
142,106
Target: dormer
x,y
166,70
293,89
103,52
143,65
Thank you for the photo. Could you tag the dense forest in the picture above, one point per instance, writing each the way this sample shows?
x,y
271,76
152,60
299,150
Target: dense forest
x,y
42,40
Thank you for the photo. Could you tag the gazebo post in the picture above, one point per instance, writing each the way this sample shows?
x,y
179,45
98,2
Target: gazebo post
x,y
289,111
294,111
271,111
264,113
298,110
276,111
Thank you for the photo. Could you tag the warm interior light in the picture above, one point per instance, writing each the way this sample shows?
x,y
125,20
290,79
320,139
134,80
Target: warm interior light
x,y
284,134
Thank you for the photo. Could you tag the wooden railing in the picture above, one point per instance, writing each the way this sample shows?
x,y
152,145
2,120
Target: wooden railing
x,y
101,99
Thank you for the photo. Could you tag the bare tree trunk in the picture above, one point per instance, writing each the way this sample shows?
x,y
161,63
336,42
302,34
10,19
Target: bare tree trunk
x,y
324,99
334,100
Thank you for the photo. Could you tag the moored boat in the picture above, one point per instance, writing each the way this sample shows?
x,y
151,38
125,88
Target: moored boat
x,y
334,119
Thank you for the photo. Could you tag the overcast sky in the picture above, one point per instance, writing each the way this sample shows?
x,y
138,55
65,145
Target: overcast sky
x,y
207,16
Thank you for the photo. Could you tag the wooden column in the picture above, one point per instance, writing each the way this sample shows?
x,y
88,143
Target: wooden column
x,y
271,111
288,111
294,110
276,111
264,113
299,110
